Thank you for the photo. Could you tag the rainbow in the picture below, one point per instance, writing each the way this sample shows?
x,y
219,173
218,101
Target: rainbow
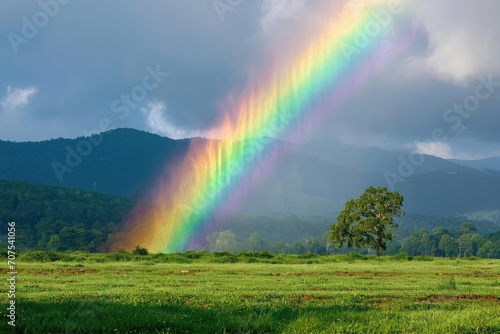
x,y
215,173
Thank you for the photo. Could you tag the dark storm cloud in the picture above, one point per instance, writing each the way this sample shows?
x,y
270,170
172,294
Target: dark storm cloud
x,y
92,52
411,110
88,54
419,91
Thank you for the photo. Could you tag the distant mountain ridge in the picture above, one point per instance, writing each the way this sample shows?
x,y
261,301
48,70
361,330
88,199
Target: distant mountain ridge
x,y
371,159
488,163
124,163
308,179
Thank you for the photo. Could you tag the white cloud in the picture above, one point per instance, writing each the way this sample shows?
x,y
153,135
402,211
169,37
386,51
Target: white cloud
x,y
463,38
159,122
438,149
16,98
444,150
274,11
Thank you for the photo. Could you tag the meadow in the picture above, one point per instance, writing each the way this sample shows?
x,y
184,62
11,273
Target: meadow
x,y
198,292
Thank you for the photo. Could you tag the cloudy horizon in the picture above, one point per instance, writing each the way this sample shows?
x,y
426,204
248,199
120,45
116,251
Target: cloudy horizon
x,y
170,67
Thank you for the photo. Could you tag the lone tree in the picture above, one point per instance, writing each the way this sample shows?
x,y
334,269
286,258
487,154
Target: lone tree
x,y
368,221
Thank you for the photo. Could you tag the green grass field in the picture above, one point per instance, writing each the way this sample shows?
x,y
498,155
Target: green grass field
x,y
330,295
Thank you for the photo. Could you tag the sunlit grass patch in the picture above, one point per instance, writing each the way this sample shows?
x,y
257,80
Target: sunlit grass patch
x,y
340,295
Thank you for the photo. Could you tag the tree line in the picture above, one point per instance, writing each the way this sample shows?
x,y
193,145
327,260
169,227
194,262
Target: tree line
x,y
60,219
463,242
368,223
65,220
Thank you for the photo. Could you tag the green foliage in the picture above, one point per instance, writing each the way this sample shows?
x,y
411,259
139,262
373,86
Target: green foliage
x,y
224,259
138,250
452,243
307,255
368,220
403,256
172,258
487,250
40,256
60,219
448,245
448,284
120,256
466,228
109,164
264,255
191,254
224,241
351,256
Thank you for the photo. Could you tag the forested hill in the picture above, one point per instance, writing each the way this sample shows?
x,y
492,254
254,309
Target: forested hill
x,y
121,162
69,219
49,217
127,163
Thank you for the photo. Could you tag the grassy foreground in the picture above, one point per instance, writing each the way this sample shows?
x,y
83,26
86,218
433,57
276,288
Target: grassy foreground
x,y
355,296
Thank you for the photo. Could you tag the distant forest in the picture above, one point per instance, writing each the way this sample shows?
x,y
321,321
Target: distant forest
x,y
307,179
65,220
62,219
463,242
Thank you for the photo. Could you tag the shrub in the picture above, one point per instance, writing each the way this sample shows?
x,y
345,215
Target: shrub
x,y
40,256
3,253
449,284
243,253
224,259
138,250
80,256
191,254
307,255
222,254
279,259
403,256
265,255
35,256
120,256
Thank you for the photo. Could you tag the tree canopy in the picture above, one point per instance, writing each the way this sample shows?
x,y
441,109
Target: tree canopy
x,y
369,220
60,219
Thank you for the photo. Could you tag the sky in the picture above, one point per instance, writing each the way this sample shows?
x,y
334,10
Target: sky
x,y
170,66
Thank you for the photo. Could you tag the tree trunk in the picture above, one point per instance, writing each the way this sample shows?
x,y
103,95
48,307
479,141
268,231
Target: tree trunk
x,y
378,245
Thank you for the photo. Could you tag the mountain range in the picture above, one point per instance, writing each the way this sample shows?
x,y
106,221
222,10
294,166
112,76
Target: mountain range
x,y
311,178
483,164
